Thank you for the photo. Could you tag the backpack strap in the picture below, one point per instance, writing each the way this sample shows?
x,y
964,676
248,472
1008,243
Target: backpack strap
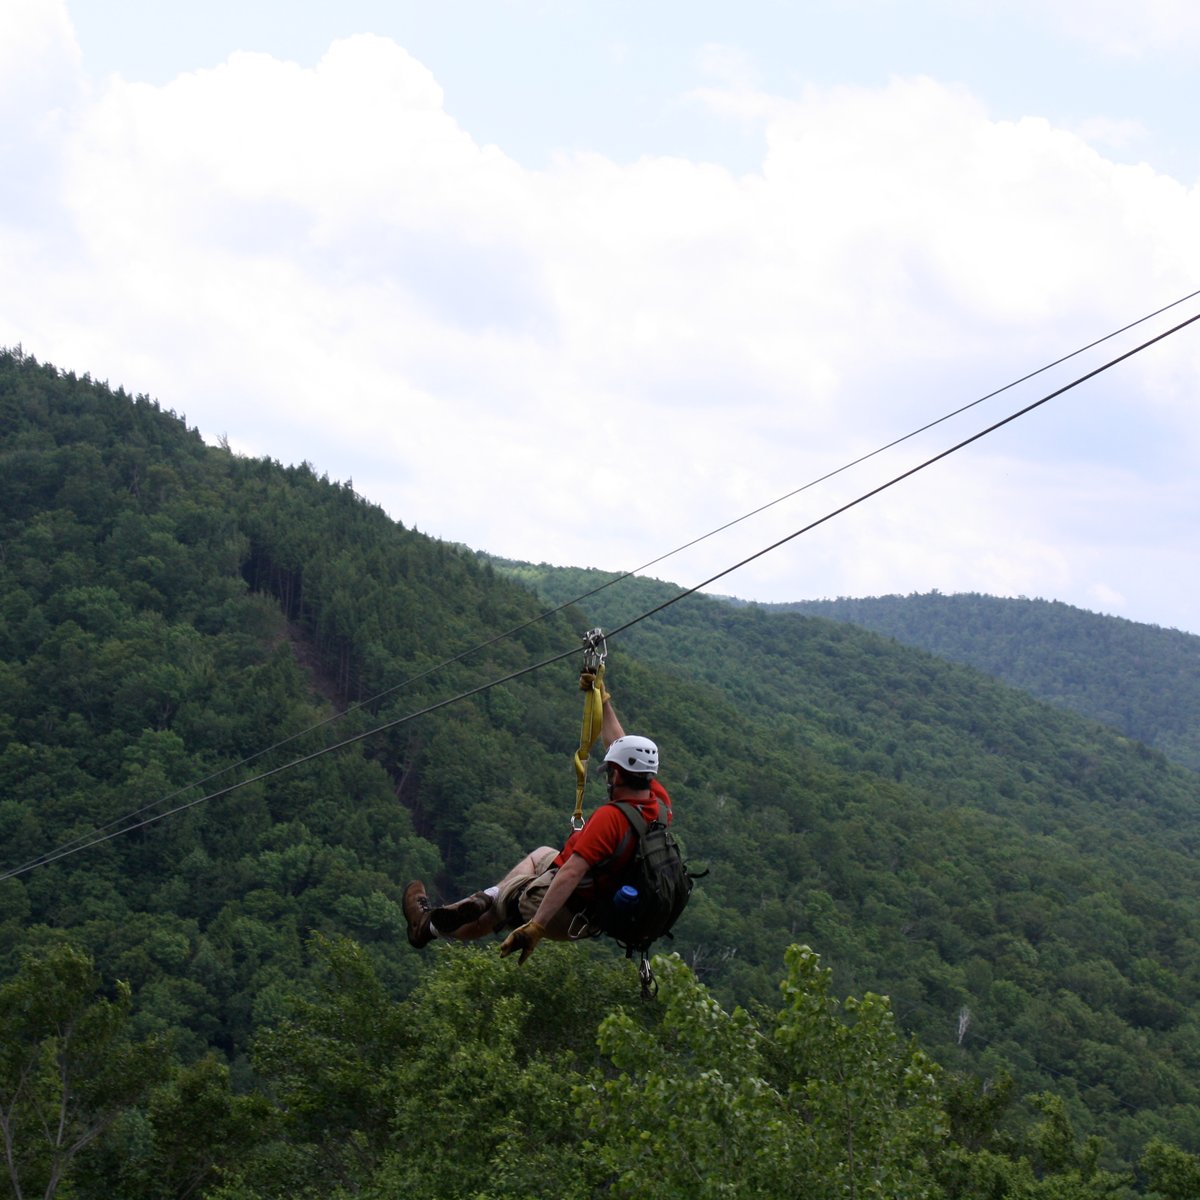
x,y
640,825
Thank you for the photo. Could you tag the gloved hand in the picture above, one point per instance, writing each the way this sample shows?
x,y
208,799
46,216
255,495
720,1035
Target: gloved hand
x,y
587,681
524,939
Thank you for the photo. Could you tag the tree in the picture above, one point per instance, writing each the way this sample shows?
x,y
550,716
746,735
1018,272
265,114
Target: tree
x,y
708,1103
188,1135
463,1089
68,1067
1172,1174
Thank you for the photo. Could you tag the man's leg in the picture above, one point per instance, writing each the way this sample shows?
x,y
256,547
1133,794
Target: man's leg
x,y
483,912
531,864
471,928
477,915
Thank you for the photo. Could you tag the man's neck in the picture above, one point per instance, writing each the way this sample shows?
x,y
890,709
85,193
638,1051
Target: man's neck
x,y
633,795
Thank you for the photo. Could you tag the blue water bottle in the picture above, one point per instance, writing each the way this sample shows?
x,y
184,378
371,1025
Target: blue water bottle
x,y
626,899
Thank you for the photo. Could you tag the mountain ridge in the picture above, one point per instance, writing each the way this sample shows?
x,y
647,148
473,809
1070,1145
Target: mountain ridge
x,y
1139,678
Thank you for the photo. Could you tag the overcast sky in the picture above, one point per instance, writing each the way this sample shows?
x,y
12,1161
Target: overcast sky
x,y
578,282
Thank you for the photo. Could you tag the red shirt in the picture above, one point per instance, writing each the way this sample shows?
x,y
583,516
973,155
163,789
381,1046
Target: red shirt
x,y
607,842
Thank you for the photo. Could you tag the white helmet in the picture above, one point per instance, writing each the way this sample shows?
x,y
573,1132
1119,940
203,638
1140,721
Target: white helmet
x,y
637,755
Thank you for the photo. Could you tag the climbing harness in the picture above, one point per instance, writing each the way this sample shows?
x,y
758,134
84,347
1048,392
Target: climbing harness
x,y
595,650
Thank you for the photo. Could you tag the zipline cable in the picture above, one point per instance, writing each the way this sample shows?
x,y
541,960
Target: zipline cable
x,y
905,475
64,852
74,848
622,576
890,445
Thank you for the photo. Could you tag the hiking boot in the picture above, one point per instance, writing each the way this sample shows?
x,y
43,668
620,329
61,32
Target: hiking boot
x,y
416,913
450,917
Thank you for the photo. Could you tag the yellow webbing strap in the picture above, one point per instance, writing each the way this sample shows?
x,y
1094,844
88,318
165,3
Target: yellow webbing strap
x,y
593,717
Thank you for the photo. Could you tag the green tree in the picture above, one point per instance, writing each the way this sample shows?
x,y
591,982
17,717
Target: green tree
x,y
188,1133
68,1067
463,1089
1171,1174
820,1103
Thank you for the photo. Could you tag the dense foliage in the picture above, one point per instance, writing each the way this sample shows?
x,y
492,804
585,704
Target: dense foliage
x,y
184,633
1140,679
490,1082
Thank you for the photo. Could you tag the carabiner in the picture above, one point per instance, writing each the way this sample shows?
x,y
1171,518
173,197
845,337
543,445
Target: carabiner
x,y
595,649
646,978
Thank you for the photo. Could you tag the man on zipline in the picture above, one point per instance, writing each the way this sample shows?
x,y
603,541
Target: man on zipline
x,y
549,893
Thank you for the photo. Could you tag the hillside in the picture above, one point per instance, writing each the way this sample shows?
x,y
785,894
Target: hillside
x,y
1140,679
174,619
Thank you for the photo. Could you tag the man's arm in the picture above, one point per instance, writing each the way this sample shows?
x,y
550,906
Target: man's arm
x,y
565,881
610,726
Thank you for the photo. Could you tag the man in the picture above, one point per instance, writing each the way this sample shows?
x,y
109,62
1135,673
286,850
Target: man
x,y
549,893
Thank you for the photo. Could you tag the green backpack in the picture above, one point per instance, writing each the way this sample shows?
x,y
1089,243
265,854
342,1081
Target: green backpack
x,y
663,884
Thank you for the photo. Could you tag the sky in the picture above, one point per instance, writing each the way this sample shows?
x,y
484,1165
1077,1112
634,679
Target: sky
x,y
580,282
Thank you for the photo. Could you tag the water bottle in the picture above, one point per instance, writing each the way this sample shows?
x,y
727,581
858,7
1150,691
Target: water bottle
x,y
625,899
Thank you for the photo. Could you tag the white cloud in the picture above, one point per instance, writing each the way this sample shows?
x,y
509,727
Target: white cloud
x,y
1104,133
595,362
38,54
40,84
1128,31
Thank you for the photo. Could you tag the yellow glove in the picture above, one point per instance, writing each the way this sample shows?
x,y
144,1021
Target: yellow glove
x,y
587,681
524,939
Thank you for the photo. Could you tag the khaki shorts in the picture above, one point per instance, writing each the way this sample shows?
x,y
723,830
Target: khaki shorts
x,y
522,895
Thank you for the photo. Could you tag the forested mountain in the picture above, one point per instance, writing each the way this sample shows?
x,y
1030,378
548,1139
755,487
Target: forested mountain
x,y
1140,679
180,629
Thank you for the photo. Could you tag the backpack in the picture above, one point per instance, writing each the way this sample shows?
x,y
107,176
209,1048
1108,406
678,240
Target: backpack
x,y
663,884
